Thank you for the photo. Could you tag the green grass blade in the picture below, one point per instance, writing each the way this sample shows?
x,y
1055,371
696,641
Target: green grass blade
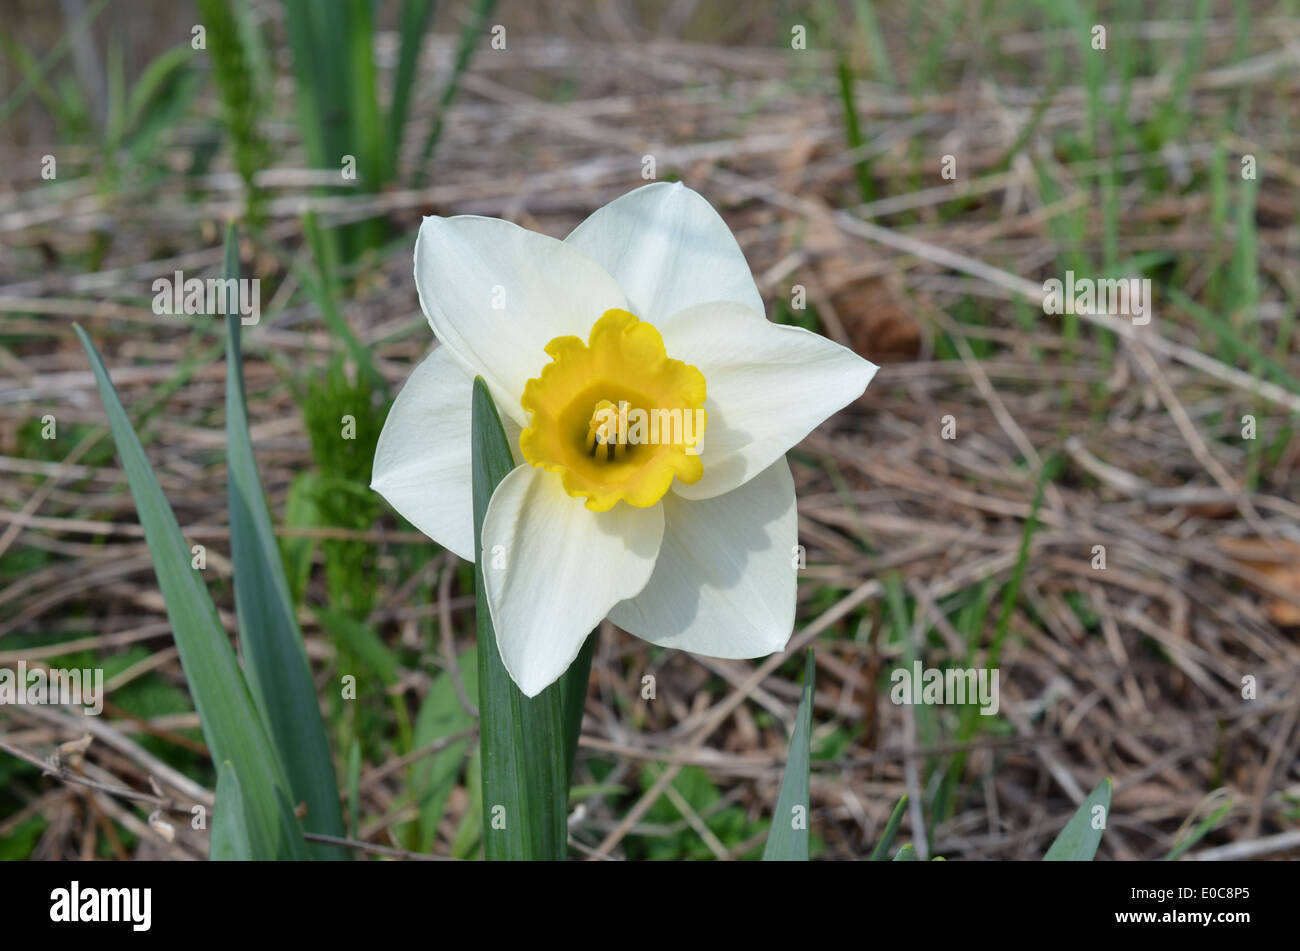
x,y
853,129
881,852
1232,345
257,60
275,658
320,285
1012,591
153,82
229,842
465,842
434,777
242,78
231,725
874,40
469,39
787,841
906,854
164,113
354,790
525,783
115,120
318,77
1079,839
364,644
34,77
300,511
970,719
366,132
414,23
1201,830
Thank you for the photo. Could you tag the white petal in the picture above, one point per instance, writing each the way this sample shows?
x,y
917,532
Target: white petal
x,y
497,294
724,582
559,570
669,250
768,386
422,459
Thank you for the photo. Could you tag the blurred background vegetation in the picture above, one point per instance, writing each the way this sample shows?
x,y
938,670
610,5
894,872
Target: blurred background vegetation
x,y
821,131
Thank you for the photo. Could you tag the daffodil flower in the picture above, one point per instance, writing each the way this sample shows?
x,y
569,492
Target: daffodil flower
x,y
646,311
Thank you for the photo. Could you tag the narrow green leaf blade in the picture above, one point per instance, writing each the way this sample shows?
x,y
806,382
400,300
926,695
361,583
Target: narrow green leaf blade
x,y
1203,829
465,843
470,35
523,744
906,854
363,642
275,658
881,852
1080,838
442,715
365,131
354,790
319,283
230,842
414,22
154,80
300,511
231,725
787,841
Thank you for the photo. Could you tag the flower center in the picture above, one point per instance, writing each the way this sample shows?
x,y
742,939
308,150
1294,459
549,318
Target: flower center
x,y
616,417
605,438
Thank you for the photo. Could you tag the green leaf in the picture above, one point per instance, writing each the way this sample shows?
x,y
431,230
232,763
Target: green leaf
x,y
1078,841
365,132
522,740
34,74
335,87
21,840
906,854
300,511
231,725
275,658
316,37
319,283
362,642
788,839
414,23
470,35
441,715
1203,828
154,82
229,842
171,105
881,852
464,844
354,790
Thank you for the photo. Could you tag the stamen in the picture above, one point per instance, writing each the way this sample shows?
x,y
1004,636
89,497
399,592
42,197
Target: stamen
x,y
604,432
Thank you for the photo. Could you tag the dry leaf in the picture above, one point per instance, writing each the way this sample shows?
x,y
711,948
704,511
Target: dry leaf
x,y
1276,559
